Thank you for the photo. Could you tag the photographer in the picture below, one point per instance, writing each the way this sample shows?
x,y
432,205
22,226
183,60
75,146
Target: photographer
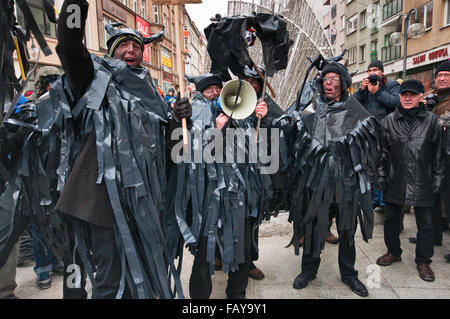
x,y
378,94
380,97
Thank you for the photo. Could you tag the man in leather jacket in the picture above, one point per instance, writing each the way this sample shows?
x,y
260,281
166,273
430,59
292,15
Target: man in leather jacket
x,y
413,173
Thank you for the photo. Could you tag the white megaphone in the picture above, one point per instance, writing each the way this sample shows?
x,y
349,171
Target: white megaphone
x,y
238,105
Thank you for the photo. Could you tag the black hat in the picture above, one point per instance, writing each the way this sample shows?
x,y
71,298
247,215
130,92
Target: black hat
x,y
445,66
412,86
119,35
340,69
203,81
376,64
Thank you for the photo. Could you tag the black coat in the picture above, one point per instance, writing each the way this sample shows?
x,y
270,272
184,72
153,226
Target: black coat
x,y
383,102
415,168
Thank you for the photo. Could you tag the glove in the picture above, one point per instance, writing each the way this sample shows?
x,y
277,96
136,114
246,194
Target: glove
x,y
182,108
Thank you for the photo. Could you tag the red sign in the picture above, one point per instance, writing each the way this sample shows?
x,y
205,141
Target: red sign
x,y
143,28
431,56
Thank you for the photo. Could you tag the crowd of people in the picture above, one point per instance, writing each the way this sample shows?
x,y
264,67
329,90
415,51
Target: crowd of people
x,y
102,170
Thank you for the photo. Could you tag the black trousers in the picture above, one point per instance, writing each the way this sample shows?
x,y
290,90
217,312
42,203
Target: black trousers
x,y
425,232
346,257
200,283
106,261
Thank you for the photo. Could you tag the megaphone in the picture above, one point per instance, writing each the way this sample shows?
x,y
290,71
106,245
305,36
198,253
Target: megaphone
x,y
238,106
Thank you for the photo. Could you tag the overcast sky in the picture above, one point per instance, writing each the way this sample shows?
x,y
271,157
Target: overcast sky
x,y
200,13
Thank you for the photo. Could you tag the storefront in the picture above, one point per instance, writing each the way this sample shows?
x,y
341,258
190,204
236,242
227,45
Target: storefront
x,y
423,66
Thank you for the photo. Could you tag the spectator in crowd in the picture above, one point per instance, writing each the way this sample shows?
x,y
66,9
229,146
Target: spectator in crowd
x,y
170,97
380,97
412,175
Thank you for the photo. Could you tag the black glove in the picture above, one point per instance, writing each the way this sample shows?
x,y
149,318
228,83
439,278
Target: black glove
x,y
182,108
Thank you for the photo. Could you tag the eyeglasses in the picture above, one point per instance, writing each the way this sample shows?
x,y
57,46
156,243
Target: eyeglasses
x,y
443,75
334,79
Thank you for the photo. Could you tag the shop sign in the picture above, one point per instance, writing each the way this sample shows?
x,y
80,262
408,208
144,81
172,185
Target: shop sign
x,y
143,28
114,9
441,53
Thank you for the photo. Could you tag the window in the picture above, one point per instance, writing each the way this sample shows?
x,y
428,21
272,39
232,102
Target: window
x,y
425,15
343,19
363,19
447,13
362,53
391,8
47,28
352,55
352,24
135,6
143,8
156,14
373,50
125,3
106,36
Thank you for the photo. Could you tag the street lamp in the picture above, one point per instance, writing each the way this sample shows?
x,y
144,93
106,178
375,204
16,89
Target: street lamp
x,y
415,31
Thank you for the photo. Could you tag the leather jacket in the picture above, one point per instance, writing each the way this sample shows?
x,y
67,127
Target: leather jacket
x,y
414,167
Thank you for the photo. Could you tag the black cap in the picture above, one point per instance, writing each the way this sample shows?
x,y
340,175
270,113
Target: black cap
x,y
412,86
376,64
445,66
203,81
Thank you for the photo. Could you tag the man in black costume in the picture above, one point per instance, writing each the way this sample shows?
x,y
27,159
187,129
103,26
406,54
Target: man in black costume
x,y
335,154
219,201
111,123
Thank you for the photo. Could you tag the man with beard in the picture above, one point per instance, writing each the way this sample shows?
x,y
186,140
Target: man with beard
x,y
333,158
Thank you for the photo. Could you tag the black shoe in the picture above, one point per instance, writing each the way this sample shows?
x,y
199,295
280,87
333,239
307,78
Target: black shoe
x,y
356,286
413,240
380,209
10,296
302,280
447,257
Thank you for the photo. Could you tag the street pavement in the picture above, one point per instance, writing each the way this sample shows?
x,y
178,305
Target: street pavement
x,y
281,266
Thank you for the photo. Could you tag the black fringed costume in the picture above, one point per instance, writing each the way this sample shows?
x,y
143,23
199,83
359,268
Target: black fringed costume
x,y
333,160
218,196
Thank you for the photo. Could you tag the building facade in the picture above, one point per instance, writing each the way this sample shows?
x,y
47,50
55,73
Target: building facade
x,y
427,52
368,28
334,24
163,59
195,48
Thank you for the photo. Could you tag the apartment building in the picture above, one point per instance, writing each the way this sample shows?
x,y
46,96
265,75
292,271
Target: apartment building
x,y
334,24
427,52
368,28
195,48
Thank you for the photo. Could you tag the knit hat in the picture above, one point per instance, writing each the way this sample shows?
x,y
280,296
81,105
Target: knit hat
x,y
346,79
203,81
376,64
119,35
414,86
445,66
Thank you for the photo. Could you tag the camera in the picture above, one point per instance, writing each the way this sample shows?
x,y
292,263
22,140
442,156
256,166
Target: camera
x,y
432,101
373,79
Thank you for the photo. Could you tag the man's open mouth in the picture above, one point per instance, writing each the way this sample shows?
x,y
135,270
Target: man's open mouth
x,y
130,61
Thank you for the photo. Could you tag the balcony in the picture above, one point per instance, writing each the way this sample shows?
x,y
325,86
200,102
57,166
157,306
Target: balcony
x,y
390,53
391,11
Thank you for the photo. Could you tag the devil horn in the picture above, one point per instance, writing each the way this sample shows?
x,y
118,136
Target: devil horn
x,y
156,36
112,28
